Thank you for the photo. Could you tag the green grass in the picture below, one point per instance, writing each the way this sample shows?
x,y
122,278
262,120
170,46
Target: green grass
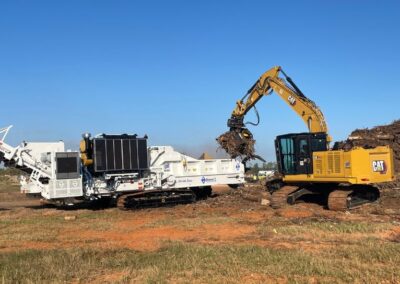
x,y
6,186
178,262
9,181
189,223
10,172
342,227
321,228
351,227
44,228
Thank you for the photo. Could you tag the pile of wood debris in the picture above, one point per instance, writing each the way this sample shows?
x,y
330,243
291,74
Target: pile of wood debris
x,y
236,146
383,135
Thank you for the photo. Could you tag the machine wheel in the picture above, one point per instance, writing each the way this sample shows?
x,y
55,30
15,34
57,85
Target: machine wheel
x,y
279,198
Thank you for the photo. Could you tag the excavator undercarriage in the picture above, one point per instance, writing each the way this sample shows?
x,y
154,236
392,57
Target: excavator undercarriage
x,y
334,197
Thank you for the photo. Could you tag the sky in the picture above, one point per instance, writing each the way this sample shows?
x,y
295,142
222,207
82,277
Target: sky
x,y
174,69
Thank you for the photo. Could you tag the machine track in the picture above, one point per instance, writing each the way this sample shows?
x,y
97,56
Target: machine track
x,y
155,198
343,199
279,198
339,200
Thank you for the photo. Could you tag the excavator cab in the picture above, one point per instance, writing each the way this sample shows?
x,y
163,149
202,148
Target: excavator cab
x,y
294,151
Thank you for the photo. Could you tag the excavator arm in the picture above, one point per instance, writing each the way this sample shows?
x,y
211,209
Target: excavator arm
x,y
239,140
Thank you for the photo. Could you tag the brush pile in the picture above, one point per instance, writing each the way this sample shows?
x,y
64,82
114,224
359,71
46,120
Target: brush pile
x,y
384,135
236,146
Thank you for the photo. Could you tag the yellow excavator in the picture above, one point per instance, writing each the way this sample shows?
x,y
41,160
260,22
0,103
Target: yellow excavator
x,y
346,176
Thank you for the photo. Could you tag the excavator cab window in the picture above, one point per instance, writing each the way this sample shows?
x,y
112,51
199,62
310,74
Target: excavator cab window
x,y
303,146
318,144
294,151
286,148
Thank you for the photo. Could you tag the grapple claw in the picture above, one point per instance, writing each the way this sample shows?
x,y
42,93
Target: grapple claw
x,y
238,143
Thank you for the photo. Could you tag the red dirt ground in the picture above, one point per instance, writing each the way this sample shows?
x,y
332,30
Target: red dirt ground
x,y
226,218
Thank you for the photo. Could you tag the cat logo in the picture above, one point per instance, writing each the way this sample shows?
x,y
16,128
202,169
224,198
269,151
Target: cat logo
x,y
292,100
379,166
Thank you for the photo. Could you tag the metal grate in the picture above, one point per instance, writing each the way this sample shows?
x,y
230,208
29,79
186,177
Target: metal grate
x,y
334,162
120,153
318,166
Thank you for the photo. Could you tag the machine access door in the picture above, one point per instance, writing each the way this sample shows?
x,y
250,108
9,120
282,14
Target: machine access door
x,y
303,153
285,153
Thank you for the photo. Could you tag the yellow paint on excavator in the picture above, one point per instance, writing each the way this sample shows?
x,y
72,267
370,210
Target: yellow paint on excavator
x,y
357,166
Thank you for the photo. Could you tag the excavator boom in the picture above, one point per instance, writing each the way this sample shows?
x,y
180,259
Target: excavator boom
x,y
238,141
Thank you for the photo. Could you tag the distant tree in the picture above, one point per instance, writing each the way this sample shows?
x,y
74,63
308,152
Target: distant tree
x,y
270,166
266,166
255,168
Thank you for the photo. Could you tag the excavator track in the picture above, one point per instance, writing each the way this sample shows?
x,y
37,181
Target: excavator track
x,y
155,198
346,199
279,198
339,200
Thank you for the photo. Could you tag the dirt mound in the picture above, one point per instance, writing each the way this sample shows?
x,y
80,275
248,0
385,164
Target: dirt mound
x,y
383,135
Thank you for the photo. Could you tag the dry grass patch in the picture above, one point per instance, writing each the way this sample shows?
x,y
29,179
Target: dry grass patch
x,y
177,262
190,223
